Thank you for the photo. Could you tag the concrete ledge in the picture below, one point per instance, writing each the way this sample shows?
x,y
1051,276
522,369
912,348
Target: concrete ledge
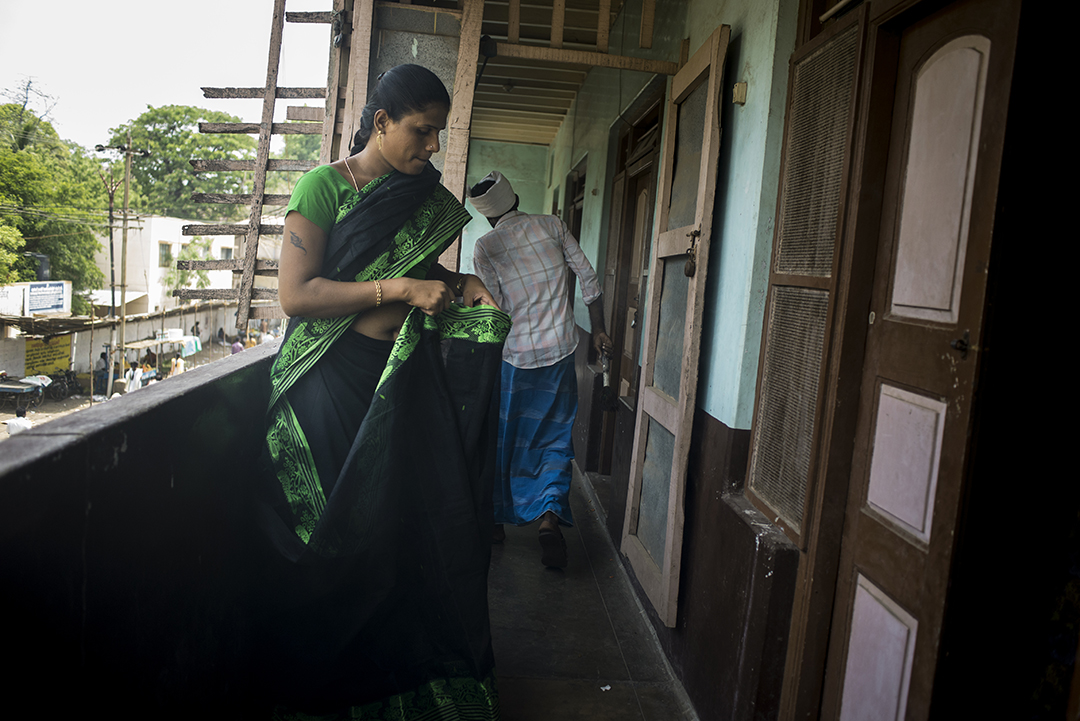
x,y
126,536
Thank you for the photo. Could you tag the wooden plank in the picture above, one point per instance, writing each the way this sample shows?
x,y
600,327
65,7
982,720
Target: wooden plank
x,y
523,105
356,88
508,121
231,229
239,198
224,293
283,164
584,57
648,18
309,17
236,265
603,26
523,117
521,137
303,112
337,69
262,156
460,122
513,25
255,93
558,17
259,312
254,128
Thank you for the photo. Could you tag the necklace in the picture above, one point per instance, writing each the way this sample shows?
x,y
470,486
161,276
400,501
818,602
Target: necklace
x,y
355,184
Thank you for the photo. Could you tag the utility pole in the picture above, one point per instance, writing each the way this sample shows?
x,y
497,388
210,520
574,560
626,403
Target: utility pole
x,y
128,151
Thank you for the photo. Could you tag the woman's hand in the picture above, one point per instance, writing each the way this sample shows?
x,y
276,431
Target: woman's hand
x,y
474,293
430,296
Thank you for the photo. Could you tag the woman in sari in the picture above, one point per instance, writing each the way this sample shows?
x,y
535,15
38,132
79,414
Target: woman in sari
x,y
381,433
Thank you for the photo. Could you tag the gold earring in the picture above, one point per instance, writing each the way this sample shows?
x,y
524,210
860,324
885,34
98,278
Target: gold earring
x,y
378,139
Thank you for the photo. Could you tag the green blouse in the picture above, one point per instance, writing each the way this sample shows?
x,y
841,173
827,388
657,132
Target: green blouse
x,y
324,197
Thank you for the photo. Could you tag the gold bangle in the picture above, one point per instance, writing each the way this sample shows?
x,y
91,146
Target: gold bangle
x,y
378,294
459,288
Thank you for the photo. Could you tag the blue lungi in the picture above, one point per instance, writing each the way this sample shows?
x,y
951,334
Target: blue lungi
x,y
536,417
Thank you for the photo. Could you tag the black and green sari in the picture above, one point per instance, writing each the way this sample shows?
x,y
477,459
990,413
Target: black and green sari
x,y
384,456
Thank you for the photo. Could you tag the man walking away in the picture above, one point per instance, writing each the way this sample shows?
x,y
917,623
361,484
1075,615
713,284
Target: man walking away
x,y
525,261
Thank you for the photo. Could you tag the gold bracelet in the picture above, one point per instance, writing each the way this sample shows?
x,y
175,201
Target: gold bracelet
x,y
459,289
378,294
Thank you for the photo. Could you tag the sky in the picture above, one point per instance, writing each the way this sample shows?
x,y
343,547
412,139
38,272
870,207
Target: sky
x,y
104,62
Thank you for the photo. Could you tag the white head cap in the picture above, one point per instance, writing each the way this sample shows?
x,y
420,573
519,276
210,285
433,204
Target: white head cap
x,y
498,199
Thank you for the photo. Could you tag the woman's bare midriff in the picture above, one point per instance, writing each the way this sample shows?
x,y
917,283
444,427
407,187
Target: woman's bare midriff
x,y
382,323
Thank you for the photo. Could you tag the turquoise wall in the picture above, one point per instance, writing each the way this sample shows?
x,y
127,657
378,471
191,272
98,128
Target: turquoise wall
x,y
762,38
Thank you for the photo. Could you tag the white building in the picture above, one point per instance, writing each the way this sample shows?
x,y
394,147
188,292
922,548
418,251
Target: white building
x,y
154,244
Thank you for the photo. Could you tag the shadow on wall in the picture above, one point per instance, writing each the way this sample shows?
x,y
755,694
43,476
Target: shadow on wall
x,y
128,542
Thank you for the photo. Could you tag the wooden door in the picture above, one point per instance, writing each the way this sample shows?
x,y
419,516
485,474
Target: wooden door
x,y
652,532
952,77
640,201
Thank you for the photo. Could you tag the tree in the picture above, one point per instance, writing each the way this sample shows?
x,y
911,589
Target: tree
x,y
50,196
11,245
166,178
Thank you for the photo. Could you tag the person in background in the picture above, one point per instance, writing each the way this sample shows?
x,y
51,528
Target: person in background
x,y
526,261
237,346
19,423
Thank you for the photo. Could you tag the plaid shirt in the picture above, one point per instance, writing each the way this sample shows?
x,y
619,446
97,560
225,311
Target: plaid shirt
x,y
523,261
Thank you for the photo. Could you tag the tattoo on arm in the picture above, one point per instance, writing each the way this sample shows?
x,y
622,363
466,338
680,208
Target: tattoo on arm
x,y
297,241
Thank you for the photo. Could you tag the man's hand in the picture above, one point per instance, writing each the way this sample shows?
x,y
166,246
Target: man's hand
x,y
602,343
474,292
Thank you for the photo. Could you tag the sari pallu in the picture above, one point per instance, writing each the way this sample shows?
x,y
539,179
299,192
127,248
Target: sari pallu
x,y
379,606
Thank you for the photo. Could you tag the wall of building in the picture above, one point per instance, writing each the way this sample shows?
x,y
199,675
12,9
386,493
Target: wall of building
x,y
144,271
762,39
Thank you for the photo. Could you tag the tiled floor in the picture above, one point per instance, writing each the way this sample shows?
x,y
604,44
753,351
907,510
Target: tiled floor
x,y
572,644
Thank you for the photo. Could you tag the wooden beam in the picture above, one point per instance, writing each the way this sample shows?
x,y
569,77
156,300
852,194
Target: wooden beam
x,y
256,93
457,138
648,16
224,293
239,198
558,18
297,112
262,267
255,128
309,17
356,89
262,156
584,57
282,164
335,95
267,311
603,26
513,25
228,229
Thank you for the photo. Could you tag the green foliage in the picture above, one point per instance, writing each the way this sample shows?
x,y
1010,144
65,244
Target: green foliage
x,y
297,147
198,249
11,245
166,178
303,147
50,196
